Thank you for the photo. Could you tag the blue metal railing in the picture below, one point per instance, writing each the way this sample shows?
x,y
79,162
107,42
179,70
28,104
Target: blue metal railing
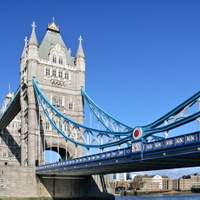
x,y
95,157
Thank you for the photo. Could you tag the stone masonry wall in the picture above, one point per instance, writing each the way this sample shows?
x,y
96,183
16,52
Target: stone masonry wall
x,y
21,182
17,181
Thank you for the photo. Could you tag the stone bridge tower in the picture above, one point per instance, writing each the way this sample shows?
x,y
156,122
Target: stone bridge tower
x,y
60,76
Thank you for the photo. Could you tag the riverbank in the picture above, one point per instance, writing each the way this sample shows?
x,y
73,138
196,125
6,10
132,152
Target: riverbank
x,y
140,193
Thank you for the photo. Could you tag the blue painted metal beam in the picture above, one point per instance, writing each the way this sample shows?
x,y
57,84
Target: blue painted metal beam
x,y
12,109
45,104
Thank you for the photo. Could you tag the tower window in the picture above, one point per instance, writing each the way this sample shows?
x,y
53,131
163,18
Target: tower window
x,y
54,72
48,72
60,74
71,106
54,59
47,125
66,75
57,101
60,61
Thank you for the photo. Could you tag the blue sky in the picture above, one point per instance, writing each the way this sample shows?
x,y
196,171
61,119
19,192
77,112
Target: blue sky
x,y
142,56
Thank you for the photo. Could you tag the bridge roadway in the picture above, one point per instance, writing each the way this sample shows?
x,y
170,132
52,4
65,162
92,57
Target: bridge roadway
x,y
176,152
12,109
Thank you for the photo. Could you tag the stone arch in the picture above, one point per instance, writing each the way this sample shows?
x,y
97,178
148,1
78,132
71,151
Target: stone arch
x,y
65,149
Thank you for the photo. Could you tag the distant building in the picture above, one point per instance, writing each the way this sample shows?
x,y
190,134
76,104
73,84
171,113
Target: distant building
x,y
150,183
121,176
175,184
146,182
188,181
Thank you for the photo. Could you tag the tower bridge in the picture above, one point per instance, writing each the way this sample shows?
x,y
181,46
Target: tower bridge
x,y
47,113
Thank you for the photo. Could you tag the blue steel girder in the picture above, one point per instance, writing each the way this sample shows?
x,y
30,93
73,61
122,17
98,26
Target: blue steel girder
x,y
173,119
78,133
109,122
11,110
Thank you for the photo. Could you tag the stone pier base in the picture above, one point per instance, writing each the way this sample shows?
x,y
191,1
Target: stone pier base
x,y
19,182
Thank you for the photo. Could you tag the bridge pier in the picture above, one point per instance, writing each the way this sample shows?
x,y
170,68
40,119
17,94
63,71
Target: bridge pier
x,y
21,182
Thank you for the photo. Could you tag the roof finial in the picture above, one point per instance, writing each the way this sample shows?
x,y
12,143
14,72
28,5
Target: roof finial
x,y
33,25
53,26
9,95
80,52
70,51
80,39
25,41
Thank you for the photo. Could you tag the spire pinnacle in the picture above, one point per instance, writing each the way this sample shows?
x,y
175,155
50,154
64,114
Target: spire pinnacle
x,y
33,25
25,41
33,38
53,26
25,45
80,39
80,52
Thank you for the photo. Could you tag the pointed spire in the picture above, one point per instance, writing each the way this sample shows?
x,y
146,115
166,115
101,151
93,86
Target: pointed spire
x,y
33,38
80,52
9,95
24,50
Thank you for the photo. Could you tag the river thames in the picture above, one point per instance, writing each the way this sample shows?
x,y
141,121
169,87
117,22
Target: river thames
x,y
162,197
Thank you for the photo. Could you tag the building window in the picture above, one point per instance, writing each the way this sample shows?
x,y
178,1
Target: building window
x,y
54,59
4,154
47,125
66,75
57,101
71,106
48,72
60,74
60,61
54,72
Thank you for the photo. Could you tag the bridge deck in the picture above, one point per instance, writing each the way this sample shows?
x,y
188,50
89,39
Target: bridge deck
x,y
177,152
13,108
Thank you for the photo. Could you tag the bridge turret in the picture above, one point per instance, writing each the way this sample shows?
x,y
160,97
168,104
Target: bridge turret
x,y
80,64
60,77
33,44
29,69
80,57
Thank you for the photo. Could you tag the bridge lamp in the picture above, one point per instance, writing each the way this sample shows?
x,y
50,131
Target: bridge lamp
x,y
137,133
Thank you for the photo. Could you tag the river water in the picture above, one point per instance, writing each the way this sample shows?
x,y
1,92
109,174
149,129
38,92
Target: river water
x,y
162,197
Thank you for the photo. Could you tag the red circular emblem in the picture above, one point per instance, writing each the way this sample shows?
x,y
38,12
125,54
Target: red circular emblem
x,y
137,133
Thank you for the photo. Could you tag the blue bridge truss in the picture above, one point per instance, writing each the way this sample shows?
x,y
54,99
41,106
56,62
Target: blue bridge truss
x,y
116,132
143,143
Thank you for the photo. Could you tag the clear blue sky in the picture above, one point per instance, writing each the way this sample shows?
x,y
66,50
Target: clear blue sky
x,y
142,56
